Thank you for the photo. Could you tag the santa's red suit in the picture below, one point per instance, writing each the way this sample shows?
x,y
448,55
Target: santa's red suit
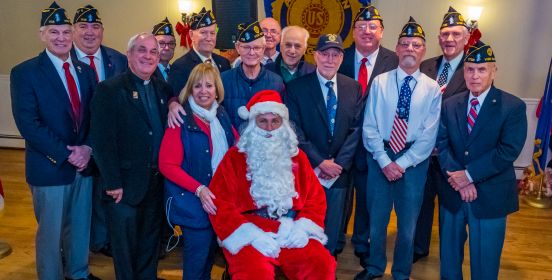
x,y
237,226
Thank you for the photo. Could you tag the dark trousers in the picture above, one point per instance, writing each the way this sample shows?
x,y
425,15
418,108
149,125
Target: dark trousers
x,y
99,236
435,178
335,216
135,233
361,230
198,253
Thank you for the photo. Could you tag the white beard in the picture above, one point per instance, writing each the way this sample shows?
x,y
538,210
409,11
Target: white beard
x,y
269,166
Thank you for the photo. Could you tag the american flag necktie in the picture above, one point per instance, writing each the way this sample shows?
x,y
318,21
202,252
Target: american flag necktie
x,y
472,114
397,141
443,77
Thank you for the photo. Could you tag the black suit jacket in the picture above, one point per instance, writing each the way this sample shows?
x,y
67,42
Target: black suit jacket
x,y
114,62
182,67
457,84
307,110
488,152
386,61
121,134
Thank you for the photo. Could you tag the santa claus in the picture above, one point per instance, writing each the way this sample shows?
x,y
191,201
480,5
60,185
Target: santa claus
x,y
270,204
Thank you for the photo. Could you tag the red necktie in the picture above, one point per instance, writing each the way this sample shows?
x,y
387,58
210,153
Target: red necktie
x,y
93,65
73,94
363,75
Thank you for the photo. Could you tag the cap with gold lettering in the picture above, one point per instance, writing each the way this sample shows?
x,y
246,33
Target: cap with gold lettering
x,y
453,18
248,32
87,14
368,13
54,15
202,19
327,41
163,28
480,53
412,29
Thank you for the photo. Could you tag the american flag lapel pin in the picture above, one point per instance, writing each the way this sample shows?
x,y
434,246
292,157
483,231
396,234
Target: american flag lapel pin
x,y
134,94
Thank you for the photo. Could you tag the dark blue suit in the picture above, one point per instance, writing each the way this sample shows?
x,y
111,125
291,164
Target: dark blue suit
x,y
182,67
61,195
488,153
386,60
307,110
114,61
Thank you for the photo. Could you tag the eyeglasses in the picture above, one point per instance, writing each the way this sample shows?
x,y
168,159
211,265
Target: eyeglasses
x,y
415,45
247,49
364,27
171,45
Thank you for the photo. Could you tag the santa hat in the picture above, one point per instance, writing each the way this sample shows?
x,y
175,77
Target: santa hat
x,y
265,101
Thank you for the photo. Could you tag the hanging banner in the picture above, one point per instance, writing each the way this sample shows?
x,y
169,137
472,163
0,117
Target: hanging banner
x,y
318,17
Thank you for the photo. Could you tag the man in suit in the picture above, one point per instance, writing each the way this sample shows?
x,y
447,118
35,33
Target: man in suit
x,y
325,108
448,70
106,63
164,34
203,32
482,132
363,61
50,98
401,119
128,120
242,82
271,30
290,64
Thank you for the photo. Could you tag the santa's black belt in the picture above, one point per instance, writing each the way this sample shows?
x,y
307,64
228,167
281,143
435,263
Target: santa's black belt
x,y
263,212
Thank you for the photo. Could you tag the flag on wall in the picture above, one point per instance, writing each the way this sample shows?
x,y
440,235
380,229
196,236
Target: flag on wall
x,y
542,135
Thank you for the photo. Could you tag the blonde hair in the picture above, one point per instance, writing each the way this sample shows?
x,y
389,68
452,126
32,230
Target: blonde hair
x,y
199,72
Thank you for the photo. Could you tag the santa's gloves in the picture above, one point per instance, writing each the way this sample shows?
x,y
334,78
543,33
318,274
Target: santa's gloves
x,y
266,244
296,234
286,224
297,238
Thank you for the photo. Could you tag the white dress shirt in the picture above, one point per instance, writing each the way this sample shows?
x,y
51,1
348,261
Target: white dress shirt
x,y
369,64
98,61
423,123
324,88
58,64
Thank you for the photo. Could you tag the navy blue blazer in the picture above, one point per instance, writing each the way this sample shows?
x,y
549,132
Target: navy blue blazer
x,y
386,61
457,84
43,115
182,67
303,68
307,110
488,152
114,62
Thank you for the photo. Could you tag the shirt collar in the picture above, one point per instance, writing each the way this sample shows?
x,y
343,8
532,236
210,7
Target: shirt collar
x,y
481,97
453,62
401,74
371,57
323,80
81,54
273,57
203,58
58,63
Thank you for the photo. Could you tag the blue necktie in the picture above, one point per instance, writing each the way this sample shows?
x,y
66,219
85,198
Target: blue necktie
x,y
403,106
331,105
442,80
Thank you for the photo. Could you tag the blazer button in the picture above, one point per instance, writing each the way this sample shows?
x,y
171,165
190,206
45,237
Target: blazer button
x,y
466,153
207,151
150,133
209,175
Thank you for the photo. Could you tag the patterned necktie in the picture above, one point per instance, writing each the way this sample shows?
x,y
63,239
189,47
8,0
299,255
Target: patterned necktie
x,y
269,60
472,114
73,94
331,105
442,80
363,75
397,141
93,65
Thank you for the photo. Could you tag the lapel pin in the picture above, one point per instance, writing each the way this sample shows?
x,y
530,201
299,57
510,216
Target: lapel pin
x,y
161,100
109,65
79,69
494,100
135,94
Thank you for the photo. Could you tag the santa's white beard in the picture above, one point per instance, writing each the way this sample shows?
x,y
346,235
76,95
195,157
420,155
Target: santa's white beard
x,y
269,166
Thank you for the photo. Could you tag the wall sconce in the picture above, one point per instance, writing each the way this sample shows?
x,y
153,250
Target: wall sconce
x,y
474,13
185,6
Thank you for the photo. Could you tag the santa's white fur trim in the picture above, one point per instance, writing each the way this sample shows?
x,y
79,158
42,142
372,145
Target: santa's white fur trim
x,y
243,112
312,229
268,107
241,237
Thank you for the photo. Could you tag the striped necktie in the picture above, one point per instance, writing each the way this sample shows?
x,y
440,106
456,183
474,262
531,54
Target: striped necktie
x,y
397,141
472,114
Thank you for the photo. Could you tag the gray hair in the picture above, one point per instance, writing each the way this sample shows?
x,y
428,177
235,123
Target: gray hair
x,y
141,35
286,29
